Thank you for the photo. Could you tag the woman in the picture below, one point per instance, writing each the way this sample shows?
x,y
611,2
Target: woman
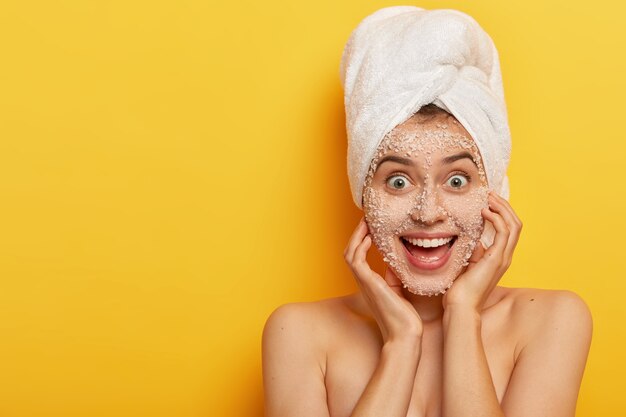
x,y
435,335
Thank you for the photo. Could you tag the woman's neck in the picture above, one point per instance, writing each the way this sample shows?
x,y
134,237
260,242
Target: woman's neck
x,y
429,308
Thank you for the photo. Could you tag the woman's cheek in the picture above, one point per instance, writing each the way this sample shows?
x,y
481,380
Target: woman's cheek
x,y
465,210
385,215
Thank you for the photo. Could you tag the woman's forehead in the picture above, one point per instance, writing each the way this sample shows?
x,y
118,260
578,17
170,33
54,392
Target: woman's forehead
x,y
426,142
438,158
426,146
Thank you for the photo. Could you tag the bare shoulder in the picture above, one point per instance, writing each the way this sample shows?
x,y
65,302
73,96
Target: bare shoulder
x,y
534,304
294,355
552,330
312,321
543,313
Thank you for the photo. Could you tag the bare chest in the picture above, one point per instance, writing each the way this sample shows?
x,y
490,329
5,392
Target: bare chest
x,y
354,357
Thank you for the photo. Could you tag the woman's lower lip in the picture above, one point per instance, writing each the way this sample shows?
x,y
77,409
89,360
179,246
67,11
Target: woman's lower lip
x,y
428,265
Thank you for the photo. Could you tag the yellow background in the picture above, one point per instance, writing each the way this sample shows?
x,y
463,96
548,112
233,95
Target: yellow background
x,y
170,172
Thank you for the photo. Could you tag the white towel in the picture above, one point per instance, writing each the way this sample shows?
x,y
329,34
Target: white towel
x,y
401,58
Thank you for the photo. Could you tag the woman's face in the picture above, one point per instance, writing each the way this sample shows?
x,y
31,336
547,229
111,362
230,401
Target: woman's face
x,y
422,200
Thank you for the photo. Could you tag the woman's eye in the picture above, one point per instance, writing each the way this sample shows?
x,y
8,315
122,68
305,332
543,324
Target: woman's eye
x,y
397,182
457,181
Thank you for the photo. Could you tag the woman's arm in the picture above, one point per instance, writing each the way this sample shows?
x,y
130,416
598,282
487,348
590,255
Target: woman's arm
x,y
549,368
389,391
467,385
547,374
468,389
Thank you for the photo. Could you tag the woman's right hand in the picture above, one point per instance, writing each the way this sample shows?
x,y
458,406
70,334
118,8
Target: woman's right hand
x,y
396,317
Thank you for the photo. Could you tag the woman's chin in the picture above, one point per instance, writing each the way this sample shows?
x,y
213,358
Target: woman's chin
x,y
427,284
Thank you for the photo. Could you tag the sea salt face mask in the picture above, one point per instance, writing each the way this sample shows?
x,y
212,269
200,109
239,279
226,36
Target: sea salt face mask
x,y
422,199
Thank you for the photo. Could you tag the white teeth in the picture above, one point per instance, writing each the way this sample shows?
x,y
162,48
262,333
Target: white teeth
x,y
428,243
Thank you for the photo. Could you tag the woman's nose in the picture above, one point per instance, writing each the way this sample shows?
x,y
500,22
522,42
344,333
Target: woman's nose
x,y
428,210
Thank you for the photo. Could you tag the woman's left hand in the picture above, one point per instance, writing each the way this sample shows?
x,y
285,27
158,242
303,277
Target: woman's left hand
x,y
486,267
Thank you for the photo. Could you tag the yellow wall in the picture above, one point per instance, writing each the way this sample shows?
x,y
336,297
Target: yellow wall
x,y
170,172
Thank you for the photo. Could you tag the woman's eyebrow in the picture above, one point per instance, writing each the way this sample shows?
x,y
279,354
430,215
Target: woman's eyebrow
x,y
450,159
398,159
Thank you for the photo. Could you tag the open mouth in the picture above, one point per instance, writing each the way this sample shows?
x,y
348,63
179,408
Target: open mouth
x,y
428,253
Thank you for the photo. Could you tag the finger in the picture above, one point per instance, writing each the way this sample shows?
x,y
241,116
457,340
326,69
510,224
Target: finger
x,y
355,240
478,253
507,205
372,285
393,281
496,251
502,207
360,267
515,225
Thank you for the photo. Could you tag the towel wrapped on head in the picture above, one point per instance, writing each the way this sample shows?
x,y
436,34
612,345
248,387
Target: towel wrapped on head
x,y
401,58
